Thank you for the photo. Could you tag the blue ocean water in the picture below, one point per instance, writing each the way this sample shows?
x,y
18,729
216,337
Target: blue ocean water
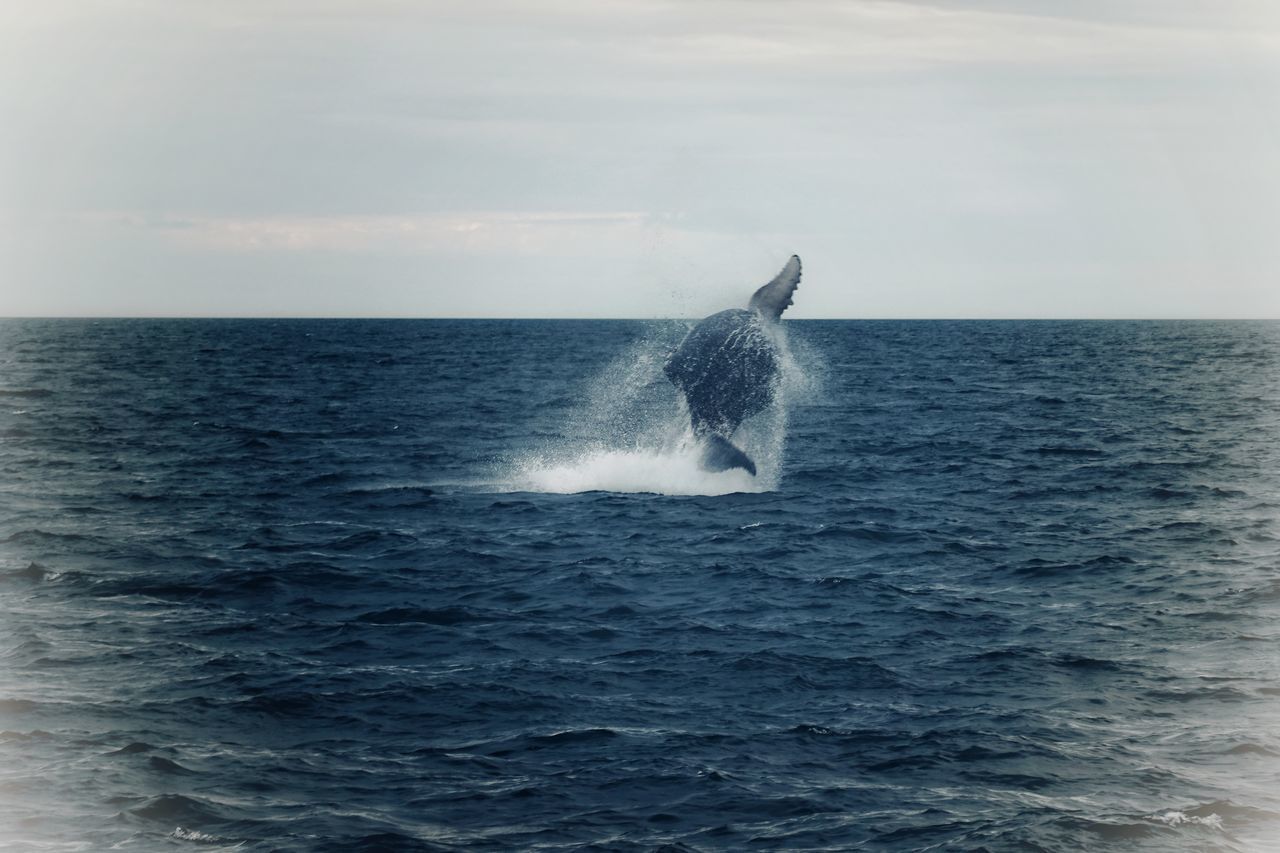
x,y
442,585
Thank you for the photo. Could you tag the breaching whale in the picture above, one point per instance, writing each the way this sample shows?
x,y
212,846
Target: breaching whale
x,y
727,369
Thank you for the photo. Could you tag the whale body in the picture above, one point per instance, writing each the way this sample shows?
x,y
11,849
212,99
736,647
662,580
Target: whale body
x,y
727,369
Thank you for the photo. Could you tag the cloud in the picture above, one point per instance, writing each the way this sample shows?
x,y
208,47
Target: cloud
x,y
526,233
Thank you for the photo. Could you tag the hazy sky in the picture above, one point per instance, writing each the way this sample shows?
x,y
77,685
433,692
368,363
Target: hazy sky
x,y
953,158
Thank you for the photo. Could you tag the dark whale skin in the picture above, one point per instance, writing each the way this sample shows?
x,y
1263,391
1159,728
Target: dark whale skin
x,y
727,368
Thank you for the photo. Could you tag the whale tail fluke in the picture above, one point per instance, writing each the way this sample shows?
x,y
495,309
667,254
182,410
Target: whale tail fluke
x,y
719,454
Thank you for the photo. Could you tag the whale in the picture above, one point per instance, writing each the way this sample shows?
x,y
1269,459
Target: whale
x,y
727,369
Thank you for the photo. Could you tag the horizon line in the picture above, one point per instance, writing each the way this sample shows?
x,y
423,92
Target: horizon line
x,y
336,317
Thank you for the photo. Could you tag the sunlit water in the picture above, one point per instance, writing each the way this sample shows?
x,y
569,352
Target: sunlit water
x,y
434,585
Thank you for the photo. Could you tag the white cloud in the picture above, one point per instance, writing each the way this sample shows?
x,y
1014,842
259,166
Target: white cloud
x,y
527,233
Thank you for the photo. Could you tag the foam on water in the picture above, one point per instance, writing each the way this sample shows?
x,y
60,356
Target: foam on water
x,y
1178,818
669,472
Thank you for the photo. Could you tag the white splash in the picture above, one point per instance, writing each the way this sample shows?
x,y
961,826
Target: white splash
x,y
1177,818
674,472
183,834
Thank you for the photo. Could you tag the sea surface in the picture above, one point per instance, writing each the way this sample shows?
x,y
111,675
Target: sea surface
x,y
311,585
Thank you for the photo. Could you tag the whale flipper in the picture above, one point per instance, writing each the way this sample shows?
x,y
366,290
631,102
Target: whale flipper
x,y
775,297
719,454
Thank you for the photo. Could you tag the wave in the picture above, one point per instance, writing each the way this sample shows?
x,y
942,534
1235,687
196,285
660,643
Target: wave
x,y
179,809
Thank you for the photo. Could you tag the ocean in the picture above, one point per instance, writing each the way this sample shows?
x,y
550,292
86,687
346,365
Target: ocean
x,y
423,585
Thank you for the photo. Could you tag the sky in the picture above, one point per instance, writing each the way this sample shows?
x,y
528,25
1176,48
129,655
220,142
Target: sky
x,y
639,158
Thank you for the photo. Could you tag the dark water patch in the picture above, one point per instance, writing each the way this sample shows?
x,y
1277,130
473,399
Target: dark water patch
x,y
1069,451
394,842
1107,564
1013,781
584,736
870,533
33,573
1089,664
567,740
36,537
1165,493
163,765
377,540
425,616
297,704
813,672
394,496
133,749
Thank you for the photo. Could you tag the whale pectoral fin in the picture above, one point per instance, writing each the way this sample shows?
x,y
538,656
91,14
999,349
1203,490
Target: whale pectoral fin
x,y
719,454
772,299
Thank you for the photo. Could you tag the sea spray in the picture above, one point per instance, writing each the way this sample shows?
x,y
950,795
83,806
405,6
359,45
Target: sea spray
x,y
631,432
